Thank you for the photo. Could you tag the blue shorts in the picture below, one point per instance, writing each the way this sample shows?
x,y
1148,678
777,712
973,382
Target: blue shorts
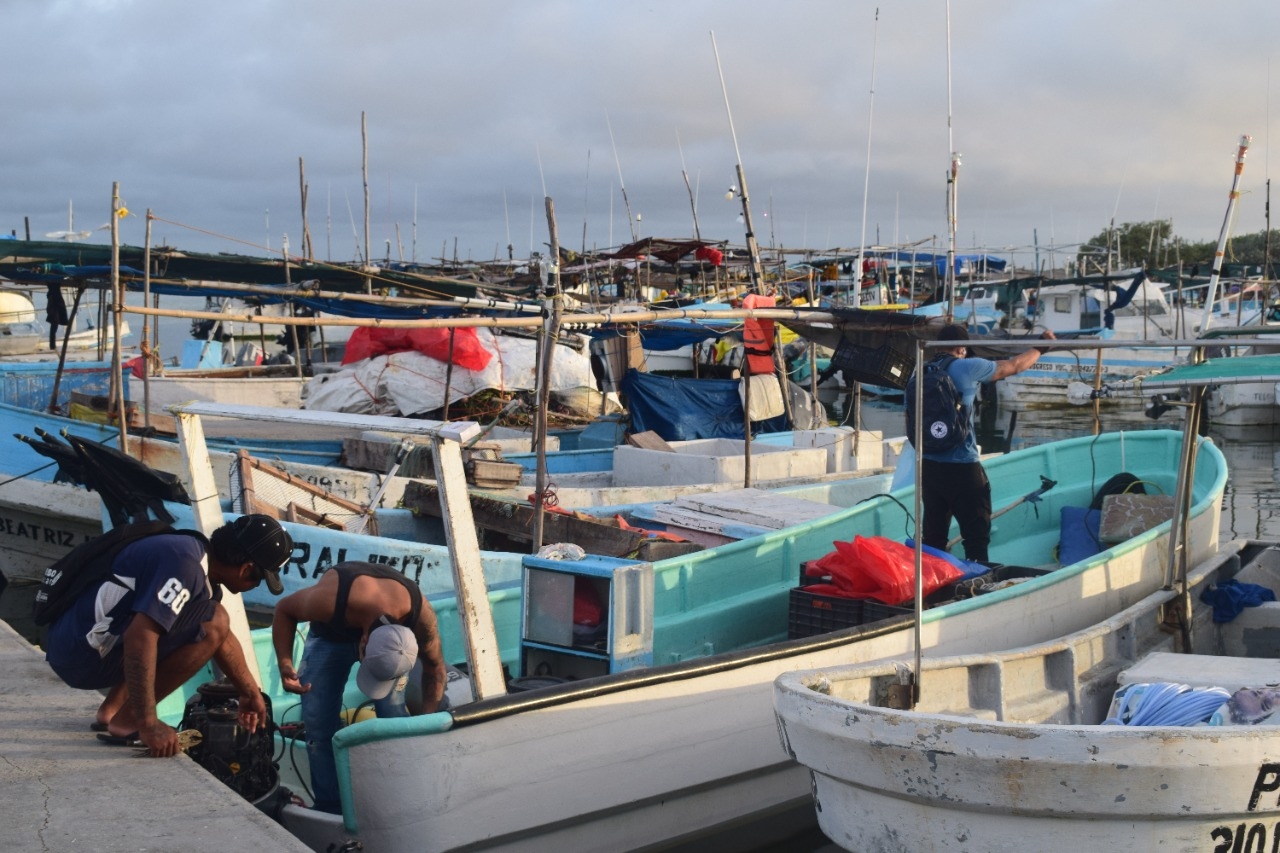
x,y
79,664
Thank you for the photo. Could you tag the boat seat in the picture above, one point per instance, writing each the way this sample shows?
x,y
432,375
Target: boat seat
x,y
1230,673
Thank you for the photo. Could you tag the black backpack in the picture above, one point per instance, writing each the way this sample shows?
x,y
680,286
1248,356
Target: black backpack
x,y
87,564
946,418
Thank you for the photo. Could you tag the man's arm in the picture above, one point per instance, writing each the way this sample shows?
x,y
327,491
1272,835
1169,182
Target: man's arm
x,y
141,640
434,674
292,609
1020,362
231,660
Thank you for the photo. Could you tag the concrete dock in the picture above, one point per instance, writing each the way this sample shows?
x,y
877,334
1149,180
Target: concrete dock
x,y
64,790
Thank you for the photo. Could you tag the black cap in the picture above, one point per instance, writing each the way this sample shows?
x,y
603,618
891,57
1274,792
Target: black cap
x,y
953,332
267,544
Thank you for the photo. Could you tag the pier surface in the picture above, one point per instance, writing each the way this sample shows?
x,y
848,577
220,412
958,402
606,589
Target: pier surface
x,y
67,791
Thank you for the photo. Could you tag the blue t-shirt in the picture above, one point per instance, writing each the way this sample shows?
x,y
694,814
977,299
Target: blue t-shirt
x,y
162,576
968,374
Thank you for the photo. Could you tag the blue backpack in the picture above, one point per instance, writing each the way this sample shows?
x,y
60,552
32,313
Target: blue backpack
x,y
946,417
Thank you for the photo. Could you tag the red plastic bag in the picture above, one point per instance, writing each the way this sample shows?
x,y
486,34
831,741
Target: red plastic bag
x,y
879,568
468,352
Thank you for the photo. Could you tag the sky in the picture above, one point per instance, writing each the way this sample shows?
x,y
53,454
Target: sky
x,y
1067,116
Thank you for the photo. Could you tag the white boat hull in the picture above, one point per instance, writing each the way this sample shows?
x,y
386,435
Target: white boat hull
x,y
661,762
1004,753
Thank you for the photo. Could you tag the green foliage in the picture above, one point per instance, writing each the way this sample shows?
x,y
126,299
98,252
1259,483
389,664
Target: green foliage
x,y
1153,245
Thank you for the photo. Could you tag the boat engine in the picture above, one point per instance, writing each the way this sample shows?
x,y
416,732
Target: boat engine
x,y
241,760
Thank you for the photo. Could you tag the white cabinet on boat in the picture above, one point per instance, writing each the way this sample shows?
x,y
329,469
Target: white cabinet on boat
x,y
584,618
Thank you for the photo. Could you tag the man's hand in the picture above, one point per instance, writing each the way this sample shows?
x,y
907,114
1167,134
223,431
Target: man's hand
x,y
160,738
289,680
1048,335
253,711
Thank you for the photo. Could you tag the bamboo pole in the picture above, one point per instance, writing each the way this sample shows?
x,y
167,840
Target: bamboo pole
x,y
117,304
307,253
146,325
364,169
545,353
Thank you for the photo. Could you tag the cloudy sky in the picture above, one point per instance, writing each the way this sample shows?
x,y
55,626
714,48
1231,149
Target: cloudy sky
x,y
1066,114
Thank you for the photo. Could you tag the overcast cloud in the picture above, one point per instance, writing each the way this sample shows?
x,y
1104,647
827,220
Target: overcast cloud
x,y
1066,114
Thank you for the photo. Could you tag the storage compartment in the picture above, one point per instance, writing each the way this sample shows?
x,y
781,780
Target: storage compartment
x,y
584,618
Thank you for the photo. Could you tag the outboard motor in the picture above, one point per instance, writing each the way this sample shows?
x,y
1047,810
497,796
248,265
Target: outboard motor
x,y
243,761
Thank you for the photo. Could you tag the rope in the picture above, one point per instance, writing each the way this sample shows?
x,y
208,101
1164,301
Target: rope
x,y
28,474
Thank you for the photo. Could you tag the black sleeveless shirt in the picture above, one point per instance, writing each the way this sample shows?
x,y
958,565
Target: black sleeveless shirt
x,y
336,629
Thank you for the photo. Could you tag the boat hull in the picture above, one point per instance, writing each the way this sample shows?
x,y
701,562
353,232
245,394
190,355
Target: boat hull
x,y
963,773
662,756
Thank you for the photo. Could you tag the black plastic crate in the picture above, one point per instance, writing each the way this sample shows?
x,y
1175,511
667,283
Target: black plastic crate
x,y
811,613
885,364
874,611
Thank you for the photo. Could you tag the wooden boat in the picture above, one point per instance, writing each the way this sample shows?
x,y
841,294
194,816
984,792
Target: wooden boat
x,y
654,755
1009,750
672,735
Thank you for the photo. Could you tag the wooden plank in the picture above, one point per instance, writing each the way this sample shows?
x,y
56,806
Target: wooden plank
x,y
649,440
754,507
484,658
206,507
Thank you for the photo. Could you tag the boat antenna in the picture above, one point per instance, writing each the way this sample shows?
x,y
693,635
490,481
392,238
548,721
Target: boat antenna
x,y
952,176
866,180
697,234
630,223
753,249
1212,294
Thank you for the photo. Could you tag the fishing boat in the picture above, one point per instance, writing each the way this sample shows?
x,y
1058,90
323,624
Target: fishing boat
x,y
1025,749
665,732
661,753
1049,745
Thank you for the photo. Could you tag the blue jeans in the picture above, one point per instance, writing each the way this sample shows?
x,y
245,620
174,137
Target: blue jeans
x,y
326,666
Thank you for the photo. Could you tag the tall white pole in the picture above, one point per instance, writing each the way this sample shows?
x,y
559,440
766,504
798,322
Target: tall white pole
x,y
866,179
1211,295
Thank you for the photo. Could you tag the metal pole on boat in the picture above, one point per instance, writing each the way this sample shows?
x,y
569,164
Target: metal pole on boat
x,y
1176,571
917,441
1211,295
145,346
117,302
753,248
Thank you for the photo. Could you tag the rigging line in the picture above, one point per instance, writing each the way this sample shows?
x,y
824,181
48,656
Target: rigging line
x,y
28,474
866,179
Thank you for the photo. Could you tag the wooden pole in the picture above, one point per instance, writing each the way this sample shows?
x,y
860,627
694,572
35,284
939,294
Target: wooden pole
x,y
307,253
551,331
145,347
364,169
117,305
448,376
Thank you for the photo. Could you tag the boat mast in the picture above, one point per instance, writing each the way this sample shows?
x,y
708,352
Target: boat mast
x,y
630,222
1211,294
952,175
753,248
866,179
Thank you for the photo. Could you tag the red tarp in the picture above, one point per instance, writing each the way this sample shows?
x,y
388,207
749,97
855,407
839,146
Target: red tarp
x,y
368,342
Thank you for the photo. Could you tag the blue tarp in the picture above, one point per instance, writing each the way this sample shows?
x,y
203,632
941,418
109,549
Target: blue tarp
x,y
687,409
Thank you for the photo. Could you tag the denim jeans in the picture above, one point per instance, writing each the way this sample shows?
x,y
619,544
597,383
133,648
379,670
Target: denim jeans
x,y
326,666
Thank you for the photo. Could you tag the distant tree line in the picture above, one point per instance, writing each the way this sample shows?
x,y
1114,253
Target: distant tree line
x,y
1154,246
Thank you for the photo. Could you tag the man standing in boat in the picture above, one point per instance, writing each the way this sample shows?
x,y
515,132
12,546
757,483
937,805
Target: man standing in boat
x,y
954,483
359,612
158,619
